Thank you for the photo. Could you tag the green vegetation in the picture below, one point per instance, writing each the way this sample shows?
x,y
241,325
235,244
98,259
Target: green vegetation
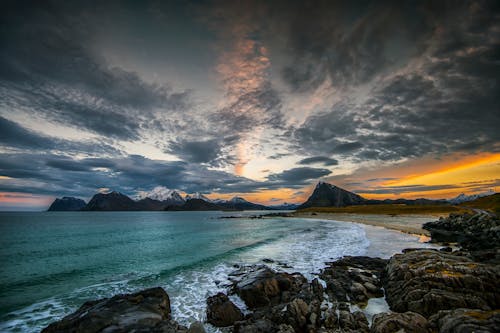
x,y
490,203
394,209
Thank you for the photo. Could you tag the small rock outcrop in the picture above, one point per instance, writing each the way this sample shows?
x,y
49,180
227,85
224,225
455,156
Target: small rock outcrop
x,y
466,320
427,281
394,322
260,286
479,231
221,312
354,279
144,311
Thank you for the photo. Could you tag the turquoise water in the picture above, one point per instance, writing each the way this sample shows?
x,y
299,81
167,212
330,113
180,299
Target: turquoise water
x,y
52,262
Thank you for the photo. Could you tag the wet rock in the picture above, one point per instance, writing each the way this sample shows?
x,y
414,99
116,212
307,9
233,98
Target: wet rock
x,y
255,326
394,322
427,281
144,311
331,319
221,312
353,322
261,286
297,313
196,327
354,279
473,232
466,320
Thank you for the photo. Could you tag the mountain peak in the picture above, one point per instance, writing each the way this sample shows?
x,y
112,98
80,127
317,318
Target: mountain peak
x,y
326,194
237,200
197,195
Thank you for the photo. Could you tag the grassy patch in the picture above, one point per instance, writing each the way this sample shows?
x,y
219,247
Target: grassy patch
x,y
399,209
490,203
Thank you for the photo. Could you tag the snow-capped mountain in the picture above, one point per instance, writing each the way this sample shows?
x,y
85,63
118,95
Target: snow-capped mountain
x,y
197,195
161,193
465,198
238,200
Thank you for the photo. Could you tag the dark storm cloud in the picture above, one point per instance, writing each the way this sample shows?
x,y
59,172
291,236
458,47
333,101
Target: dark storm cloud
x,y
14,136
58,175
326,161
351,42
447,104
214,152
47,66
299,175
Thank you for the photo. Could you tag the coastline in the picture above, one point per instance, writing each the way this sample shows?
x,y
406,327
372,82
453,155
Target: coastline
x,y
411,224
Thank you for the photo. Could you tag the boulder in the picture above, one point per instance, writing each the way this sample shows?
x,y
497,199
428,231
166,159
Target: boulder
x,y
144,311
427,281
221,312
466,320
393,322
260,286
354,279
196,327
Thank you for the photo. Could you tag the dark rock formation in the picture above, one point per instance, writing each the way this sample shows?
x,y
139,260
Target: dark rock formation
x,y
427,281
113,201
145,311
286,303
326,195
66,204
354,278
149,204
466,320
260,286
221,312
196,205
394,322
473,232
238,203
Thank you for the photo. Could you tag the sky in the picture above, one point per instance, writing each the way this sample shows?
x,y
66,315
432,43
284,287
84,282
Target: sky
x,y
260,99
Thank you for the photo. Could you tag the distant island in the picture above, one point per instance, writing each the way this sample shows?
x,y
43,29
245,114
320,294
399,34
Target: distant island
x,y
325,198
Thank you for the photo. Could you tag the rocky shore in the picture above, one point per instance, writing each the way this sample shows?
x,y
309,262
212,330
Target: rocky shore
x,y
427,291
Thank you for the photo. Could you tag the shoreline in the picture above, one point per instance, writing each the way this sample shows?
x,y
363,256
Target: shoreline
x,y
410,224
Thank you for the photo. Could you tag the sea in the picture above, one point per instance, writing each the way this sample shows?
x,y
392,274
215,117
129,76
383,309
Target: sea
x,y
52,262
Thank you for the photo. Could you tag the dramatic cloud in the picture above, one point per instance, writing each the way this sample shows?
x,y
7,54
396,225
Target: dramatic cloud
x,y
246,96
300,175
326,161
14,136
66,82
445,104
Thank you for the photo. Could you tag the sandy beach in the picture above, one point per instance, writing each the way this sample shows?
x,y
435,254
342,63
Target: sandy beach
x,y
411,224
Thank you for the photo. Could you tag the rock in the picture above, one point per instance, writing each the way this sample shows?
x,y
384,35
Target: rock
x,y
66,204
221,312
353,322
473,232
427,281
297,314
286,329
261,286
257,326
356,279
147,310
466,320
393,322
331,319
196,327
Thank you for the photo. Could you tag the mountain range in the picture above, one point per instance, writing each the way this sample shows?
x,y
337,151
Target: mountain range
x,y
324,195
172,201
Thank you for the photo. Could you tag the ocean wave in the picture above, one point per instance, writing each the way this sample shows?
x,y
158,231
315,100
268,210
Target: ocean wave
x,y
303,247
